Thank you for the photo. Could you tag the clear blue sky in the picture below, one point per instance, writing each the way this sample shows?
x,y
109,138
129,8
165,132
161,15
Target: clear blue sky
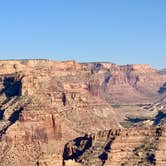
x,y
120,31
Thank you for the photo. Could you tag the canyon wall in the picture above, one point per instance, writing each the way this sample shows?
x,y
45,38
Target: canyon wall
x,y
123,147
44,104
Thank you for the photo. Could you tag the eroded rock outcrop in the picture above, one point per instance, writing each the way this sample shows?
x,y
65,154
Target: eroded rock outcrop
x,y
135,146
44,104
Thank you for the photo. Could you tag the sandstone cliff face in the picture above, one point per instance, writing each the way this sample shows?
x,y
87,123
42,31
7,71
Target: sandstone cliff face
x,y
139,82
136,146
128,84
43,104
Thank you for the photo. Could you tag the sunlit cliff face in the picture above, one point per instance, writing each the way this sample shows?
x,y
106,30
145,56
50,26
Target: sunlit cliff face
x,y
45,104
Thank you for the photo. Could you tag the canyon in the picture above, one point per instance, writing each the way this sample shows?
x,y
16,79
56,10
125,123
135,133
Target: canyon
x,y
92,114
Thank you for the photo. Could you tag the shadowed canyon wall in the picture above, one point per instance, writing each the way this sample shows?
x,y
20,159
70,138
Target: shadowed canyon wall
x,y
44,104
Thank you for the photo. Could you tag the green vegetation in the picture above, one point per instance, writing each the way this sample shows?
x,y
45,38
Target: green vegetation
x,y
127,124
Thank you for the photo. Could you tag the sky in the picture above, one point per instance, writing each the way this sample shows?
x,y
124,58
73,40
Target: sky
x,y
119,31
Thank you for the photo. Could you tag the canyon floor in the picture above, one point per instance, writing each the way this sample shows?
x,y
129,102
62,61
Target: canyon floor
x,y
91,114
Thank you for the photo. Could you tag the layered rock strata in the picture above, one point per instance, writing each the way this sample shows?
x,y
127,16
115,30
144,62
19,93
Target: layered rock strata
x,y
44,103
128,147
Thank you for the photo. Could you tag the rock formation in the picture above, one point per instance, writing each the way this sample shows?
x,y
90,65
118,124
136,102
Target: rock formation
x,y
135,146
44,104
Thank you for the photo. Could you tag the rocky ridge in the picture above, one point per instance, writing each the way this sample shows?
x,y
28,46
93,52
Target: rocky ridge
x,y
44,103
135,146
